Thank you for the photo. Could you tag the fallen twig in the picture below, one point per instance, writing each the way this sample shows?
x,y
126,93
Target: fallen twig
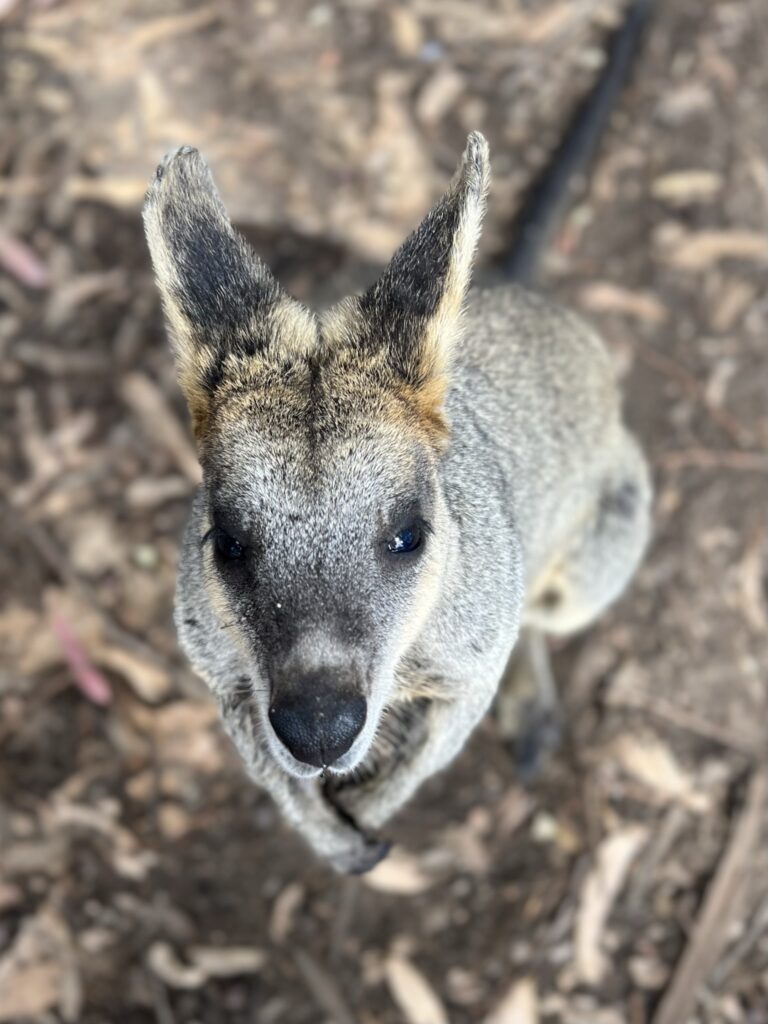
x,y
667,711
707,458
324,989
671,368
719,910
160,423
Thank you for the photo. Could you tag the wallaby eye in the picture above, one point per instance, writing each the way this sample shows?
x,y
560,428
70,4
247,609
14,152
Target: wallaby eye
x,y
229,548
406,540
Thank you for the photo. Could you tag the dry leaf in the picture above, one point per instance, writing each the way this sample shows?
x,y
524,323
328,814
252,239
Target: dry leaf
x,y
27,990
401,874
467,842
519,1006
148,681
38,973
601,887
187,733
413,994
647,759
438,95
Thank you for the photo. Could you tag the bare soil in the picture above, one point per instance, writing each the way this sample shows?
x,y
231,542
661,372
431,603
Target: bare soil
x,y
131,845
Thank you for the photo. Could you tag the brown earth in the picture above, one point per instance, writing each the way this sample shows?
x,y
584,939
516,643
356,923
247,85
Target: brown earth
x,y
131,846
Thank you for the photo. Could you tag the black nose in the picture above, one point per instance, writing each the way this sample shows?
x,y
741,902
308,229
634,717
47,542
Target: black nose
x,y
318,723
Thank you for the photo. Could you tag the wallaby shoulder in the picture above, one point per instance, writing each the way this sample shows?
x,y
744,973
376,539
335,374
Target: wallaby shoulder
x,y
535,389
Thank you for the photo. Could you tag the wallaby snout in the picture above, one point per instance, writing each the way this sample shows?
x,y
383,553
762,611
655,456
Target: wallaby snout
x,y
316,720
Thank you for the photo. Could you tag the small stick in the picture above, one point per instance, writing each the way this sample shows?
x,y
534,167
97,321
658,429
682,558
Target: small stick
x,y
719,909
324,989
708,458
671,368
670,713
160,423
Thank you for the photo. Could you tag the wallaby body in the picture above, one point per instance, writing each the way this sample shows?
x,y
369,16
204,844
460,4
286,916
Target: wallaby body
x,y
392,490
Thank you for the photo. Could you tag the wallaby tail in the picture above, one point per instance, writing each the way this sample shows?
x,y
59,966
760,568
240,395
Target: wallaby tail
x,y
543,206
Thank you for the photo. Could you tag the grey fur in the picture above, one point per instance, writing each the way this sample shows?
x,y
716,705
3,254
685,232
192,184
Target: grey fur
x,y
317,442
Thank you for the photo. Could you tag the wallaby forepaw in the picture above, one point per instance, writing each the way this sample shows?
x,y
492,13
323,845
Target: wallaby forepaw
x,y
374,851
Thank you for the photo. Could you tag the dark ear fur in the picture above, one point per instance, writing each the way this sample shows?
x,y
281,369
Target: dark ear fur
x,y
412,314
224,308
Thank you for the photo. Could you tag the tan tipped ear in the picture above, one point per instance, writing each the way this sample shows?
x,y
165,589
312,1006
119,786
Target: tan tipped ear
x,y
413,312
224,308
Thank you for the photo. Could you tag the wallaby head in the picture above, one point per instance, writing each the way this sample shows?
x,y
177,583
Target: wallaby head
x,y
323,529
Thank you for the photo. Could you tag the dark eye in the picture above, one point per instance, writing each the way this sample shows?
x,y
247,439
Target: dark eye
x,y
229,548
406,540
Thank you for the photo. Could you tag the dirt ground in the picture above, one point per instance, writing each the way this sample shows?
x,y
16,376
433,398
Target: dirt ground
x,y
142,878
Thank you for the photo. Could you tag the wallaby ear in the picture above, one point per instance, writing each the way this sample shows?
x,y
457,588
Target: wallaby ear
x,y
225,310
413,312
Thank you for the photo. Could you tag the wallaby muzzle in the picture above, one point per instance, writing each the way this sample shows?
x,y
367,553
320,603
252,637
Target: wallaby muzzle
x,y
317,718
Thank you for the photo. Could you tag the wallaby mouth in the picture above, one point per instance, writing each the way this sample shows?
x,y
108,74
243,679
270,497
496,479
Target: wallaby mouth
x,y
317,721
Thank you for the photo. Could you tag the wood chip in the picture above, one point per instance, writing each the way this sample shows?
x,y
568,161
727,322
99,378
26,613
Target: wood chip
x,y
406,30
704,249
683,187
721,908
413,994
519,1006
227,961
601,887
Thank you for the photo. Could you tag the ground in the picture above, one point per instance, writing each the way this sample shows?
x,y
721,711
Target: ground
x,y
142,878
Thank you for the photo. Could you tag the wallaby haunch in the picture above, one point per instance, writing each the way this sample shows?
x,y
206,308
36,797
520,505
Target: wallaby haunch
x,y
392,490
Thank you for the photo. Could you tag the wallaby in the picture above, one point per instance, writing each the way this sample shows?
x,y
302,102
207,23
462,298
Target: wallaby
x,y
392,490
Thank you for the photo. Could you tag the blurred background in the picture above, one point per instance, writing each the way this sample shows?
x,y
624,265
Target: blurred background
x,y
142,878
